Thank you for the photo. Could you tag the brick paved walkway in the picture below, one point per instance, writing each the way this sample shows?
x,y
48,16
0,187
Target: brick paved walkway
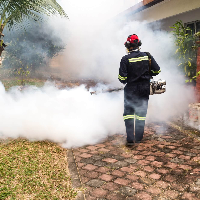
x,y
162,167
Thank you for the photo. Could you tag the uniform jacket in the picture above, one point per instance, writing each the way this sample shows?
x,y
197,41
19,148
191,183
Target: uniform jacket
x,y
134,68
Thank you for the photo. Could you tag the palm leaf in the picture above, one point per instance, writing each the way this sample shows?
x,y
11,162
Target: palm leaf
x,y
14,11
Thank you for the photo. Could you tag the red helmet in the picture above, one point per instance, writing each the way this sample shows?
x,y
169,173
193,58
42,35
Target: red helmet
x,y
132,41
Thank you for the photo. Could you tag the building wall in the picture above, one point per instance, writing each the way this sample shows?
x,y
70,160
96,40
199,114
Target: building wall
x,y
165,9
186,17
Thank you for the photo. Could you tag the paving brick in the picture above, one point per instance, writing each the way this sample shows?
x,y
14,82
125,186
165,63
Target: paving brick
x,y
110,186
150,158
157,164
93,152
85,155
170,178
77,153
137,186
114,152
140,173
120,164
90,167
83,150
132,177
189,196
104,150
97,157
122,181
126,169
171,147
80,164
153,190
171,165
166,137
131,160
143,195
196,170
110,147
162,171
145,153
185,167
155,176
171,155
78,159
134,152
196,159
102,169
125,155
160,146
147,181
177,152
118,173
184,157
148,169
89,197
85,179
92,174
176,187
100,145
162,184
110,160
81,171
115,197
92,148
138,157
127,191
99,192
172,194
194,188
95,183
133,167
159,154
143,162
106,177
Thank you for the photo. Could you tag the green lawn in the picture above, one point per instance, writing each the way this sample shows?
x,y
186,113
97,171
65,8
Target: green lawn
x,y
34,170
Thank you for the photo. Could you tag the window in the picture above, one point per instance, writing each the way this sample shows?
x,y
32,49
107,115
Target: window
x,y
194,26
198,26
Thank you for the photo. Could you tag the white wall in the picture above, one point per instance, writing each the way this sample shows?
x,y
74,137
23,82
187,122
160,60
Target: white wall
x,y
165,9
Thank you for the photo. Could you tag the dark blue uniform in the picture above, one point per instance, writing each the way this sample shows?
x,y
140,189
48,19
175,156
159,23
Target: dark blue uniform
x,y
134,72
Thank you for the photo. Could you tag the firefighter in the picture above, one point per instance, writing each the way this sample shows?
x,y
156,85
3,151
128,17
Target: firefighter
x,y
136,70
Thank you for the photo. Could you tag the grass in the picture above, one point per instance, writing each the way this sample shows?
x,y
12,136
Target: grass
x,y
9,79
8,83
34,170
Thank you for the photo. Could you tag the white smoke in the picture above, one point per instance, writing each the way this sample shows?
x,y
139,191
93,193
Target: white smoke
x,y
95,47
72,117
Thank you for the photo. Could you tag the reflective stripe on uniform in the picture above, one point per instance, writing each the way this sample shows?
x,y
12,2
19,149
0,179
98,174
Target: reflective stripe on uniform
x,y
129,117
134,116
138,59
140,118
122,78
156,72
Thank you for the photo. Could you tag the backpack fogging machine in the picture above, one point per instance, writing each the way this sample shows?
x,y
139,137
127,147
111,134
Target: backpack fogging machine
x,y
157,86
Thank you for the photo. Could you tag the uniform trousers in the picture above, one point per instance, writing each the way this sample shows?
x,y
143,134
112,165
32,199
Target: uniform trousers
x,y
136,98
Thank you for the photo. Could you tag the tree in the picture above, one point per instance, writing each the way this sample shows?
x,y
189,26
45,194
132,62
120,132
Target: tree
x,y
31,49
186,49
15,11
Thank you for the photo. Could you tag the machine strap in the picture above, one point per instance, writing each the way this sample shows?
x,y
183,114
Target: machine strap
x,y
149,57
